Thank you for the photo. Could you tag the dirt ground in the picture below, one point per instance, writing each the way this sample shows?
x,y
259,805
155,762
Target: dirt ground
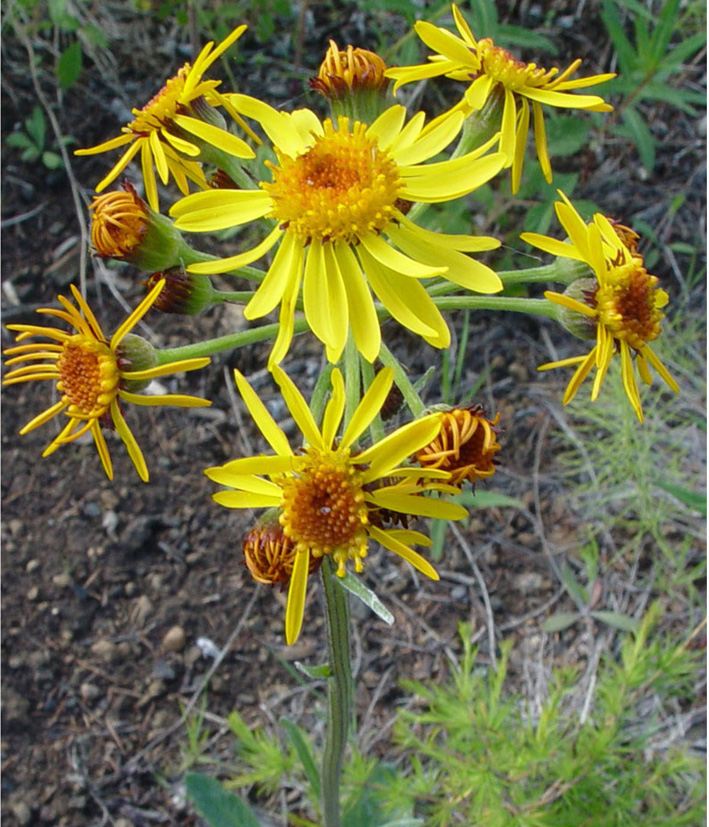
x,y
117,596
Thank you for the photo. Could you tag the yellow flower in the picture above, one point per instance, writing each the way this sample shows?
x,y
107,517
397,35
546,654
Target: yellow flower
x,y
327,490
168,130
465,447
624,302
492,72
336,191
94,375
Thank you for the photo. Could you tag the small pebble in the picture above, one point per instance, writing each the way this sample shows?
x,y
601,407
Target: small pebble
x,y
22,812
31,566
174,639
104,650
89,692
63,580
33,593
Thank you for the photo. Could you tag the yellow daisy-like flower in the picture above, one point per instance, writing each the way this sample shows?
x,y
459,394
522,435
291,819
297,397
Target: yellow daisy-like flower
x,y
93,375
338,188
494,71
327,490
624,302
168,130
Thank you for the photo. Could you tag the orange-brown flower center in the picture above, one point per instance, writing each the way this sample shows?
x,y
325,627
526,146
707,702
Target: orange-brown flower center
x,y
323,505
341,188
515,74
629,305
88,376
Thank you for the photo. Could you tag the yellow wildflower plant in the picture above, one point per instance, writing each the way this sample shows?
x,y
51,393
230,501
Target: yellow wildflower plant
x,y
491,71
329,493
624,303
337,190
94,375
168,130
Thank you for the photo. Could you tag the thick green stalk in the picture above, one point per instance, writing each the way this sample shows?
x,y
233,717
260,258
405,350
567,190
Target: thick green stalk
x,y
222,343
534,307
339,691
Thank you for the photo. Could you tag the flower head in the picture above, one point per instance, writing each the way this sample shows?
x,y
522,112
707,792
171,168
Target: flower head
x,y
624,302
171,129
327,489
124,227
492,71
94,375
351,70
269,554
465,446
337,190
184,294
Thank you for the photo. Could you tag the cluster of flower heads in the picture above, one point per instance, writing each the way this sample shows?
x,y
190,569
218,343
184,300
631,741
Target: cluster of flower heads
x,y
337,199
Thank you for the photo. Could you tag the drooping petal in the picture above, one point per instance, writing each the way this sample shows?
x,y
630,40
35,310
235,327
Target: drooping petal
x,y
390,541
266,423
334,410
296,596
129,441
404,442
299,409
285,268
370,405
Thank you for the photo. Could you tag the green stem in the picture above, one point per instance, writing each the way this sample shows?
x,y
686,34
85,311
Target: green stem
x,y
402,381
534,307
352,378
222,343
339,691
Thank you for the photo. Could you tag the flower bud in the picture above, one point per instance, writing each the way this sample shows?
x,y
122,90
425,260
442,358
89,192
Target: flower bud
x,y
135,353
184,293
123,226
583,327
353,81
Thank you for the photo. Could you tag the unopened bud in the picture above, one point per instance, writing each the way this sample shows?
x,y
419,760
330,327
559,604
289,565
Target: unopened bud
x,y
583,327
184,293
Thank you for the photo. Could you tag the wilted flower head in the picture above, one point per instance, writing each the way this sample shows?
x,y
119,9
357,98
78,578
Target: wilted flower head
x,y
624,303
95,375
355,75
269,554
171,129
184,294
465,446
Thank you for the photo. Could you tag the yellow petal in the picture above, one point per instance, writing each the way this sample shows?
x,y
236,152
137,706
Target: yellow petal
x,y
299,409
404,442
286,267
220,138
266,423
244,499
334,410
296,596
126,435
391,541
361,313
369,406
219,209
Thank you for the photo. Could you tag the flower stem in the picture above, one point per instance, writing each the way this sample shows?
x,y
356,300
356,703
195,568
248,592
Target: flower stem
x,y
222,343
534,307
402,381
339,691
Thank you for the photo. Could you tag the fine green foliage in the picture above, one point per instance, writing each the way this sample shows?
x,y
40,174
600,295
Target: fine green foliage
x,y
217,806
477,755
650,65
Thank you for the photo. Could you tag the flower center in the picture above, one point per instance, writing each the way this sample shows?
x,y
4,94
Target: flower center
x,y
629,305
161,108
118,224
323,506
88,376
515,74
342,187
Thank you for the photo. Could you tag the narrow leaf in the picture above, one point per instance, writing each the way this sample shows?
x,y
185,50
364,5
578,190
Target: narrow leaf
x,y
616,620
217,806
560,621
69,65
366,595
305,753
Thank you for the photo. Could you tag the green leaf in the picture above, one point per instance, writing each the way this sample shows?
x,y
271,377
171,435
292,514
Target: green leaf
x,y
305,753
69,65
642,137
573,587
94,36
627,58
486,499
685,49
404,822
314,672
36,127
366,595
52,160
567,135
217,806
696,500
560,621
616,620
19,140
